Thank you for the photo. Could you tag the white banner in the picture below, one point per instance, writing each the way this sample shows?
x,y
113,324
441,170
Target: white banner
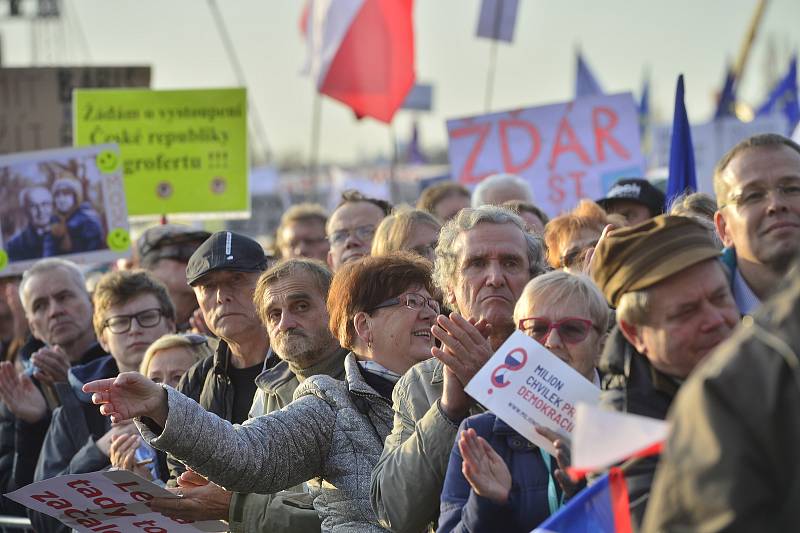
x,y
111,501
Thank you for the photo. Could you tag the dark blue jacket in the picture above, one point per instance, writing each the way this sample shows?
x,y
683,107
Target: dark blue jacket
x,y
85,229
527,506
69,447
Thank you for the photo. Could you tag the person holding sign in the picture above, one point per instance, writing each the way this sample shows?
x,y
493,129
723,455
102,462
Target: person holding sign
x,y
568,315
484,258
382,309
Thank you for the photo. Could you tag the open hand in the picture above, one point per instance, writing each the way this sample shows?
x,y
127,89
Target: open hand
x,y
52,364
484,469
129,395
20,395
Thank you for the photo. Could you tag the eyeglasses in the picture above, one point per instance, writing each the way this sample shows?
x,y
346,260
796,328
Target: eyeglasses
x,y
412,300
571,330
573,256
362,233
122,323
756,195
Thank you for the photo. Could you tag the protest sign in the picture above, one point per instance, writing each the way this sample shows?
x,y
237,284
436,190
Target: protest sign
x,y
525,385
565,151
711,140
68,203
184,153
108,501
497,19
36,103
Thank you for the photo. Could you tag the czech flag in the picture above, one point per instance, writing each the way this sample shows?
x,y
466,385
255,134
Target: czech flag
x,y
361,52
600,508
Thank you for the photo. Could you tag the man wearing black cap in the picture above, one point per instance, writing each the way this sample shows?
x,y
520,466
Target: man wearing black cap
x,y
164,251
674,306
635,199
223,273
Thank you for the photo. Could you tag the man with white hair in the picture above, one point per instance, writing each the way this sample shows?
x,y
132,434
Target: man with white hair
x,y
59,311
500,188
484,259
34,240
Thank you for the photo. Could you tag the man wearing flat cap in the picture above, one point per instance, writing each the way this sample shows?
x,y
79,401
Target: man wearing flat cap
x,y
223,272
674,305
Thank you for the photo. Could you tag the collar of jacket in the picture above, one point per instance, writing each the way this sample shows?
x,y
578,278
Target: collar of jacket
x,y
437,376
222,358
273,378
355,381
618,356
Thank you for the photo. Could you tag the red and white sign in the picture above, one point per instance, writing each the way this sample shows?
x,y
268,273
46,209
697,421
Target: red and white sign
x,y
361,52
566,151
527,386
111,501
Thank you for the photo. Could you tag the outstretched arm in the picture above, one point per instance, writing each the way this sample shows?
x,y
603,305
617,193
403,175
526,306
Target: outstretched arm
x,y
130,395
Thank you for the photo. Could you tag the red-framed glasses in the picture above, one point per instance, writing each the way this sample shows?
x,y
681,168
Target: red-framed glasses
x,y
571,330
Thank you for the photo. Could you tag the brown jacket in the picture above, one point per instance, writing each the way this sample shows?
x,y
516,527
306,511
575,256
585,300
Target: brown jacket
x,y
732,461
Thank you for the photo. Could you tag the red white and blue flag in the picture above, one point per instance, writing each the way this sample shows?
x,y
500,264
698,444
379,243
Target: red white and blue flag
x,y
361,52
600,508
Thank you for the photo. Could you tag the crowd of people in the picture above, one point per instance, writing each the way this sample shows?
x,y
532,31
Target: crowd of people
x,y
322,386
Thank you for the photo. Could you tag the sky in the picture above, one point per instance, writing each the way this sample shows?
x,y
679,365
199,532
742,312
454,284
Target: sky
x,y
621,40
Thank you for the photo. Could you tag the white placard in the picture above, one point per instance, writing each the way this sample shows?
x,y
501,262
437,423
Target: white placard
x,y
525,385
67,203
108,501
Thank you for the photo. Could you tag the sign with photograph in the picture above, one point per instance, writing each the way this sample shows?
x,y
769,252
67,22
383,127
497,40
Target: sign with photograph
x,y
107,501
36,103
566,151
66,203
184,153
527,386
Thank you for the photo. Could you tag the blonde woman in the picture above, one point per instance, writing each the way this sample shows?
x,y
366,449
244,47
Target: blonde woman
x,y
165,361
408,229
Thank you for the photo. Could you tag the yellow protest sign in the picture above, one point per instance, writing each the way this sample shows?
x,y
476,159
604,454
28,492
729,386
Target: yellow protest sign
x,y
182,152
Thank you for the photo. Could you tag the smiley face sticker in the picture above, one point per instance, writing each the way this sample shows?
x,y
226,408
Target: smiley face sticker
x,y
3,259
118,240
107,161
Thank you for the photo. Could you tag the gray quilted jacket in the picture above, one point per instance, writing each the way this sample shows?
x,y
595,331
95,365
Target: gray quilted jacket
x,y
333,432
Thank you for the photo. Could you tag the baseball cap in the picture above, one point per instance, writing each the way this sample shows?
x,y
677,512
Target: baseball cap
x,y
226,250
636,190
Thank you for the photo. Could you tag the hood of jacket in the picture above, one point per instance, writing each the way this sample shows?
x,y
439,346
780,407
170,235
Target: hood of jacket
x,y
101,368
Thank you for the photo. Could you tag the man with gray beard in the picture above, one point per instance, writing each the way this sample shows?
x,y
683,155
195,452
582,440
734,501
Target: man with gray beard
x,y
290,299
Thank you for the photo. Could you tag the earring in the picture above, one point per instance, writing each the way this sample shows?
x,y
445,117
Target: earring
x,y
369,343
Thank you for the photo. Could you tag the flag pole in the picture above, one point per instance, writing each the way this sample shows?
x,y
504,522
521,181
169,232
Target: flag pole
x,y
747,44
498,14
313,157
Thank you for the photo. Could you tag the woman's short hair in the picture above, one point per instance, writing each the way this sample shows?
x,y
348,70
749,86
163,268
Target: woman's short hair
x,y
196,345
362,285
694,204
394,231
563,228
561,286
119,287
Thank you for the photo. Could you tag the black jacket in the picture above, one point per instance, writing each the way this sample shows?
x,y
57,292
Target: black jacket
x,y
69,447
207,382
